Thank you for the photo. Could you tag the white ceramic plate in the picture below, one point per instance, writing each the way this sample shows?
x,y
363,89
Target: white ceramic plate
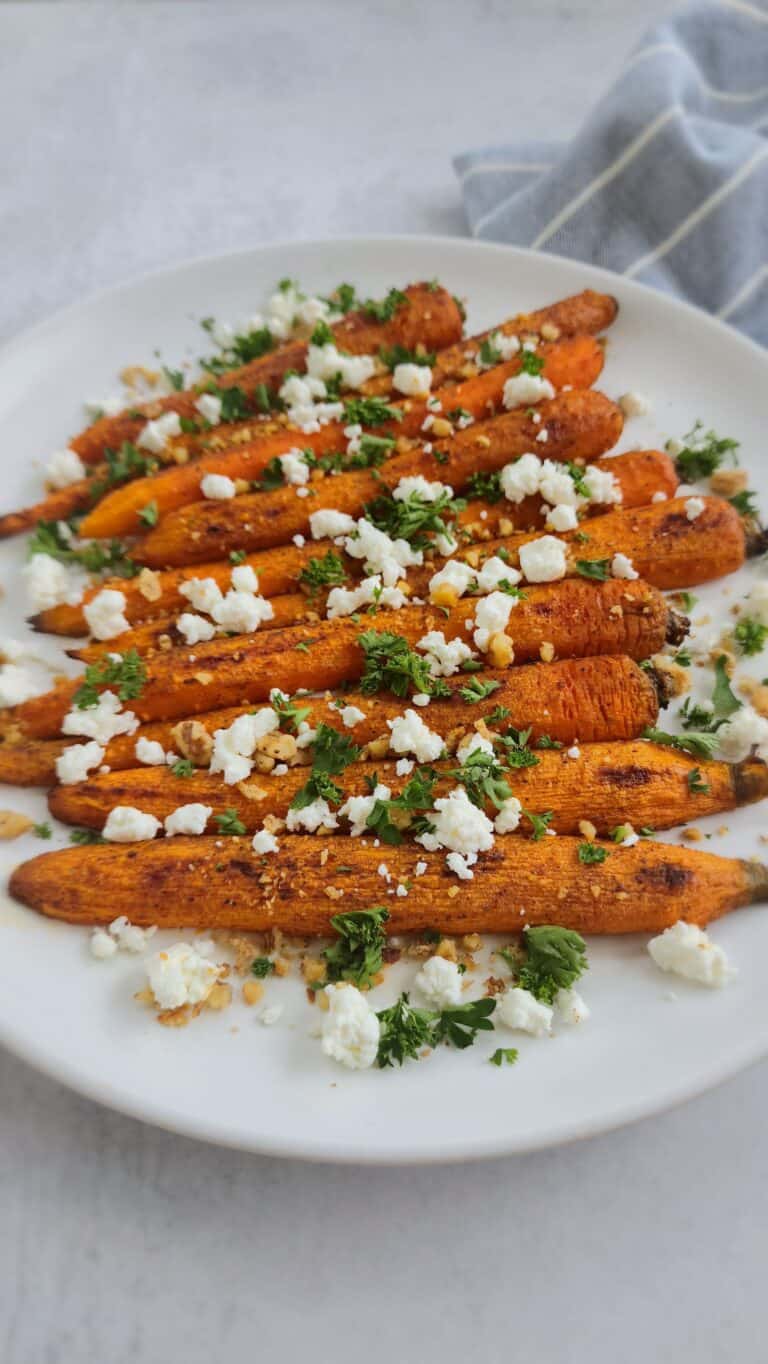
x,y
653,1040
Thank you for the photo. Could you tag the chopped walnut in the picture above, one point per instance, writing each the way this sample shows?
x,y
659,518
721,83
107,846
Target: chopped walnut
x,y
12,824
547,652
149,585
447,948
494,985
501,651
253,991
193,741
251,790
756,693
549,331
587,830
444,594
219,997
678,677
692,835
728,482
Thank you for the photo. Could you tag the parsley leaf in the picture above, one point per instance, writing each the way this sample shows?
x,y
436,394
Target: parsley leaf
x,y
415,518
555,959
318,573
126,672
745,503
516,750
83,837
237,556
696,784
750,636
289,715
539,823
502,1054
370,412
461,1023
388,818
483,779
703,453
229,822
148,515
391,665
183,767
384,309
392,356
700,745
404,1030
597,569
477,690
530,362
356,956
332,752
724,700
43,830
261,967
592,854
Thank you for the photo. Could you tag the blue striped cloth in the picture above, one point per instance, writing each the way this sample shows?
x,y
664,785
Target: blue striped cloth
x,y
667,181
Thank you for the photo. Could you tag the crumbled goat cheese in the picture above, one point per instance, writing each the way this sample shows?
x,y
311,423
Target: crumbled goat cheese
x,y
574,752
439,983
294,466
659,497
63,468
105,614
557,487
421,868
104,407
686,950
495,571
195,629
508,817
299,541
543,560
461,866
329,524
242,612
520,479
102,944
473,743
428,492
101,722
19,683
244,578
312,817
491,615
351,716
357,809
326,362
414,380
459,825
522,390
209,407
421,698
149,751
156,434
744,731
233,747
201,593
350,1028
342,601
602,486
562,518
264,842
404,766
381,554
570,1007
444,657
694,506
456,575
188,819
217,487
507,346
129,937
622,567
634,404
50,583
520,1010
126,824
409,734
179,975
75,762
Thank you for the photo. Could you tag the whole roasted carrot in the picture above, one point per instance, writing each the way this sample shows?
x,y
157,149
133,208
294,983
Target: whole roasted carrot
x,y
430,315
221,884
607,785
666,547
639,473
577,618
592,700
575,360
581,425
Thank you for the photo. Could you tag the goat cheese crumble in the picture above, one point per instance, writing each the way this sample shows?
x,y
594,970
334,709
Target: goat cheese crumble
x,y
439,983
350,1028
687,950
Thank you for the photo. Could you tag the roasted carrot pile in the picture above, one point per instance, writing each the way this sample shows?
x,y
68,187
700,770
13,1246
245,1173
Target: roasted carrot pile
x,y
370,611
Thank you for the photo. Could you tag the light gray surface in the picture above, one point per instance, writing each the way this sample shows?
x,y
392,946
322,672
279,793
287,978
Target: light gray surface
x,y
132,136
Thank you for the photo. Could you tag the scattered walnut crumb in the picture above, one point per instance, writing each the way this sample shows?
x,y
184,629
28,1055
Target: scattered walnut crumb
x,y
444,595
13,824
219,997
273,824
547,652
321,1000
494,985
324,857
678,677
333,893
728,482
376,748
441,427
587,830
483,441
453,892
244,953
242,485
193,741
251,790
144,996
312,969
164,643
549,331
692,835
756,693
622,894
149,585
721,650
501,651
205,679
617,610
722,830
506,527
596,890
138,377
562,893
447,947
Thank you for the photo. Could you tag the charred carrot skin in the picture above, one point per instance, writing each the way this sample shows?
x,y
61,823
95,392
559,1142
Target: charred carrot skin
x,y
578,618
575,360
639,473
666,548
221,884
581,425
610,784
430,316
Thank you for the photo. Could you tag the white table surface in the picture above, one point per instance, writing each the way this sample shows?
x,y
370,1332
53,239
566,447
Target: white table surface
x,y
135,135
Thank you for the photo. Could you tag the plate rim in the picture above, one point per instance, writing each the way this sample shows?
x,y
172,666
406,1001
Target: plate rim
x,y
301,1146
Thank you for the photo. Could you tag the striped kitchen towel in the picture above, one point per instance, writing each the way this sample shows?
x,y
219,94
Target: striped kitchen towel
x,y
667,181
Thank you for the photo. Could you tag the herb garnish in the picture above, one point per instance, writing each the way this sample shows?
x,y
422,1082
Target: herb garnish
x,y
332,752
597,569
703,453
750,636
555,959
591,854
126,672
318,573
392,665
261,967
502,1054
477,690
356,957
230,822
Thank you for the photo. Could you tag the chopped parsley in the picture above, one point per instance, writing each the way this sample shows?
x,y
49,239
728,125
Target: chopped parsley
x,y
488,354
43,830
724,700
592,854
370,412
392,356
234,403
123,464
229,822
504,1054
483,780
384,309
392,665
530,362
699,745
546,742
126,672
389,817
237,556
745,503
415,518
485,486
703,453
49,537
82,837
261,967
319,573
405,1030
332,752
477,690
174,377
289,715
597,569
461,1023
696,783
498,715
356,956
515,745
322,335
183,767
148,514
750,636
555,959
539,823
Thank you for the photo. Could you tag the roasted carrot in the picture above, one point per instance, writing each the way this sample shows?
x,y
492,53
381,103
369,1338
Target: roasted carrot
x,y
581,425
593,700
666,547
220,883
608,785
577,618
431,316
639,473
575,361
55,506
